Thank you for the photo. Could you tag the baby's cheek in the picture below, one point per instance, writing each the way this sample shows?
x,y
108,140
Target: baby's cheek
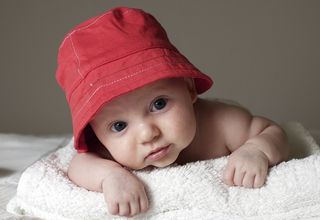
x,y
128,156
184,129
127,160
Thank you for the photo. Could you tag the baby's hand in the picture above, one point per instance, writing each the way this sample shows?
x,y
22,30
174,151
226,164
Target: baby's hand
x,y
124,193
247,166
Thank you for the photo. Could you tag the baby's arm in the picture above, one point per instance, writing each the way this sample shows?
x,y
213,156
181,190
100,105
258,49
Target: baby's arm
x,y
124,193
255,144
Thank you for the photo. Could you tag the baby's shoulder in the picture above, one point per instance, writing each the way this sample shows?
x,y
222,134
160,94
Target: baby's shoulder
x,y
221,111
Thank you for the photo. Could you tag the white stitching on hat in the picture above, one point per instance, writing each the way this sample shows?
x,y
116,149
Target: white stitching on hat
x,y
69,97
115,81
75,52
87,26
142,62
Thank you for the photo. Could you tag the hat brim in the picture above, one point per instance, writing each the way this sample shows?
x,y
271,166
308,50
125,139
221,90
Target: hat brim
x,y
103,85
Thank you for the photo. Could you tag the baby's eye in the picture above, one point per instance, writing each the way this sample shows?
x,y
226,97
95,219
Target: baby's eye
x,y
158,104
118,126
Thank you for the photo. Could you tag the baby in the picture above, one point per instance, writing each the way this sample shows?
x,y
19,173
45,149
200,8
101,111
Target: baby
x,y
134,104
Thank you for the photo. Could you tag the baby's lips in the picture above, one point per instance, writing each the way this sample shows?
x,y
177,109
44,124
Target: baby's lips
x,y
158,153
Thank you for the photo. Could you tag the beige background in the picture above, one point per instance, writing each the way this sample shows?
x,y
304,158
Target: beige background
x,y
263,54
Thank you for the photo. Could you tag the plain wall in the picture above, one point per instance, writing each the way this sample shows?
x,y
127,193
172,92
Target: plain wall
x,y
263,54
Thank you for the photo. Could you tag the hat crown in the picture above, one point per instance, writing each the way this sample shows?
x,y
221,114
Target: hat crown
x,y
102,39
113,54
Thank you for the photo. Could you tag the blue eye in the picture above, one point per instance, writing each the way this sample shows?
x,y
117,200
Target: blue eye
x,y
158,104
118,126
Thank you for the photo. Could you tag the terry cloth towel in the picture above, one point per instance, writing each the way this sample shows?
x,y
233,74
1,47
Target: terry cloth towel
x,y
191,191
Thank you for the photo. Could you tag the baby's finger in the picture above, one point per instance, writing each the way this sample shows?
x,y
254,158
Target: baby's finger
x,y
134,207
113,208
144,203
260,180
238,177
248,180
228,176
124,209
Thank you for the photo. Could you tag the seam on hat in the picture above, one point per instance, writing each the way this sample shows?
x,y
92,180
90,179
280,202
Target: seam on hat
x,y
115,81
78,60
69,96
143,62
88,25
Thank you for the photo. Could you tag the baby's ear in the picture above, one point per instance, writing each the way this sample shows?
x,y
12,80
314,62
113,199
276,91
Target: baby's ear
x,y
192,89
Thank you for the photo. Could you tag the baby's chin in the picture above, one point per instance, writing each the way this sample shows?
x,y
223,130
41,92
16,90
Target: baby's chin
x,y
151,166
165,162
157,164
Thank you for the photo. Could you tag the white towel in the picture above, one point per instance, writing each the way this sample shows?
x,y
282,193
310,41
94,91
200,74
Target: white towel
x,y
192,191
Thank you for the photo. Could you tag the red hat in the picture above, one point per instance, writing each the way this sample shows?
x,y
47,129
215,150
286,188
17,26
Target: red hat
x,y
111,55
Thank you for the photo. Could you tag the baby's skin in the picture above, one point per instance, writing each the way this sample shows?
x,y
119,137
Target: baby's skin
x,y
164,123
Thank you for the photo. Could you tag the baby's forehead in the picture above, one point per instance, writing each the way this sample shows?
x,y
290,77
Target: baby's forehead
x,y
163,84
142,94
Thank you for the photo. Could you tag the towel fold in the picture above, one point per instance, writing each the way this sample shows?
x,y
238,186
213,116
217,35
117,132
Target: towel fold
x,y
191,191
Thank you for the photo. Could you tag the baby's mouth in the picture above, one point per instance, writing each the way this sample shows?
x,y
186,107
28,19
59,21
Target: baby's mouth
x,y
158,153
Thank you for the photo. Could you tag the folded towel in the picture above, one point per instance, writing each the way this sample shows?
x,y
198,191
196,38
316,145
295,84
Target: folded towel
x,y
191,191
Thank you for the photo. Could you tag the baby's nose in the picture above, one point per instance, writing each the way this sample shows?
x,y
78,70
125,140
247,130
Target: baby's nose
x,y
148,132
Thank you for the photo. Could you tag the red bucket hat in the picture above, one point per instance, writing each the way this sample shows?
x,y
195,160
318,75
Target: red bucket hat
x,y
111,55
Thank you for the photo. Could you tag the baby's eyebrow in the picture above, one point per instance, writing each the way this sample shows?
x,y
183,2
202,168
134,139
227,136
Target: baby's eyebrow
x,y
111,112
160,89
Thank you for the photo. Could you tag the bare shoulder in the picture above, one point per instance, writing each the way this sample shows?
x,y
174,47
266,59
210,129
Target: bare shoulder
x,y
235,123
223,117
231,115
223,112
232,121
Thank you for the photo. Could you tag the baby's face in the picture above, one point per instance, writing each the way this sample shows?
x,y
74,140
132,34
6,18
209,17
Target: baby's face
x,y
149,126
